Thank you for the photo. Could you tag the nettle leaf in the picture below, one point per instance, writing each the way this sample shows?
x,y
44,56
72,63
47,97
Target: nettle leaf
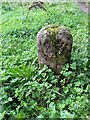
x,y
67,74
23,104
40,116
61,106
52,105
78,83
73,65
9,99
43,75
66,114
77,90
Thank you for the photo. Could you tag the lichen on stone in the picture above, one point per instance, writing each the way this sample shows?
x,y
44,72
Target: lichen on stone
x,y
54,46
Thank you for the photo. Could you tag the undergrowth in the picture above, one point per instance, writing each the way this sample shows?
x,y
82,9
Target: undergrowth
x,y
28,91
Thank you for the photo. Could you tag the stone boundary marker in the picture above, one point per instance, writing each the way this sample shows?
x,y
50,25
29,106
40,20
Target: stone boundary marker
x,y
54,46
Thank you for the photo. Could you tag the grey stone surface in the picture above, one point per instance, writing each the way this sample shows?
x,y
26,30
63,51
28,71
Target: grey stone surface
x,y
54,46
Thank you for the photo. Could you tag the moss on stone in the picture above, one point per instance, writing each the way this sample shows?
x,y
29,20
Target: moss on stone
x,y
53,31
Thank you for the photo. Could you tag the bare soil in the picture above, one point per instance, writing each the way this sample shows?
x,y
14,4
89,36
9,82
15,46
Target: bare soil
x,y
83,6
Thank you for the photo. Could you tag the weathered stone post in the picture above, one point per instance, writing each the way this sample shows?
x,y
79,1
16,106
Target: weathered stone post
x,y
54,46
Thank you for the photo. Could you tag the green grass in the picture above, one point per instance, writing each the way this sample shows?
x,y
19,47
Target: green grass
x,y
27,91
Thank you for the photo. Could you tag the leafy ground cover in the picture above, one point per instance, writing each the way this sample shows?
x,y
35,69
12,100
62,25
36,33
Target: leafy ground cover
x,y
28,91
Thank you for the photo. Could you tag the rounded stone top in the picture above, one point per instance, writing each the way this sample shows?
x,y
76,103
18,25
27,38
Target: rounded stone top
x,y
54,27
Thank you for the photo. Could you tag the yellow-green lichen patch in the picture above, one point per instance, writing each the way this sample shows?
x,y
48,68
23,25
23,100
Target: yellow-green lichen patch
x,y
53,30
